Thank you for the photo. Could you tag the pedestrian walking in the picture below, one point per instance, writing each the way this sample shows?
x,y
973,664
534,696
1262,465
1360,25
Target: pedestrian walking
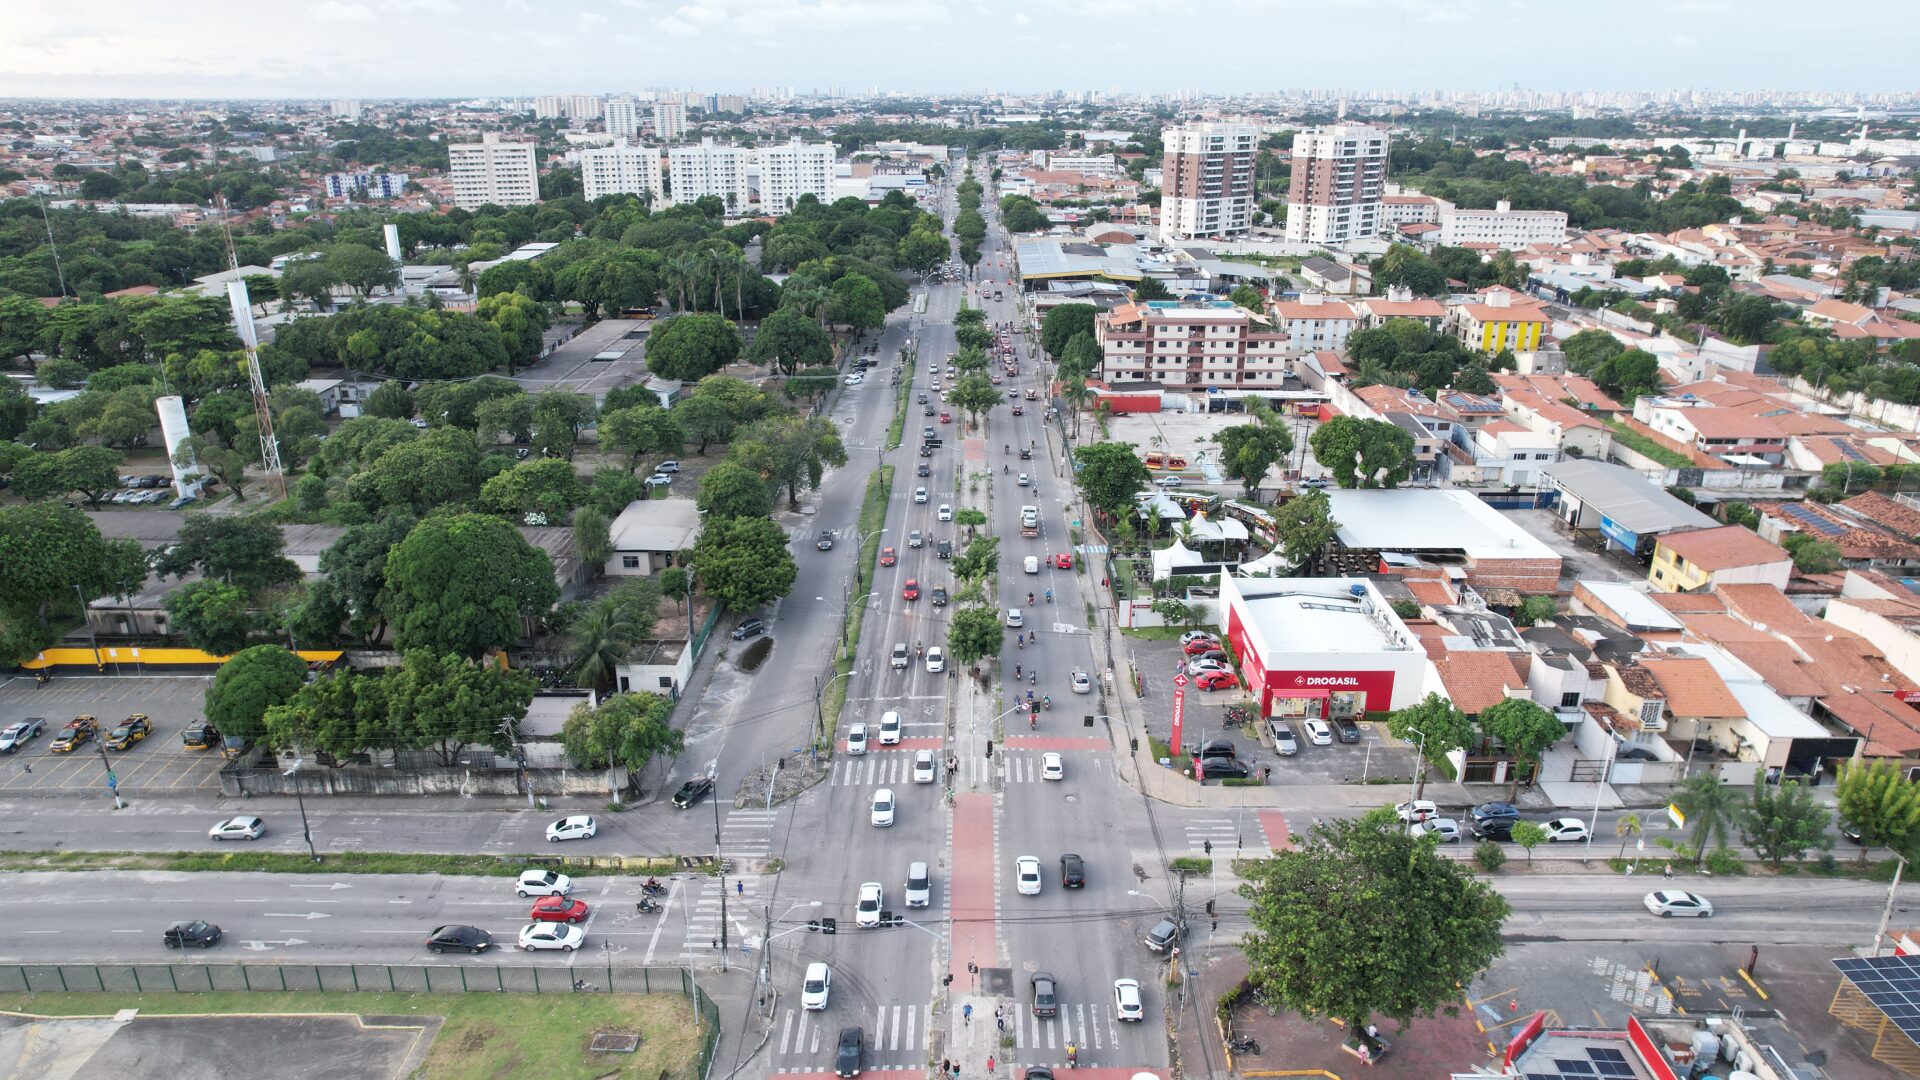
x,y
1667,871
739,888
966,1013
945,1064
1000,1022
1207,846
1216,924
990,1067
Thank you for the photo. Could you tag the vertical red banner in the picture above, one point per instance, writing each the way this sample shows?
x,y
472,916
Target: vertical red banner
x,y
1179,710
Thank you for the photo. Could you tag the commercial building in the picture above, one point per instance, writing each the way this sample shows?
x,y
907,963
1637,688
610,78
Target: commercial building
x,y
1339,182
707,169
793,169
1207,184
1087,164
1629,511
669,118
1394,530
491,171
1316,648
621,170
1194,348
1502,227
622,117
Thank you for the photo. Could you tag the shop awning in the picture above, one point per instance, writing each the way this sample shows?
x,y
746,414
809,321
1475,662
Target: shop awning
x,y
1298,692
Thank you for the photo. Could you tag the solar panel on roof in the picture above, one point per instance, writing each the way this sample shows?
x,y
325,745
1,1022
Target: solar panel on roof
x,y
1812,520
1847,449
1892,983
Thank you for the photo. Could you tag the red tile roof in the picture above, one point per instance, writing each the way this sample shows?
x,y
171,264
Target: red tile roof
x,y
1693,688
1723,548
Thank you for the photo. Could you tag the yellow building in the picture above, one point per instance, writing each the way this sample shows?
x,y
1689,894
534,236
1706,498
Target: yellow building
x,y
1497,325
1702,558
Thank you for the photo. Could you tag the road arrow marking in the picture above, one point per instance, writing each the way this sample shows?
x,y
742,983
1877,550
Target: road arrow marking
x,y
296,915
335,885
262,946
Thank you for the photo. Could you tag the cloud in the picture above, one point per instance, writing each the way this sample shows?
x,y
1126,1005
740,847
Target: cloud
x,y
1683,41
589,20
430,7
1021,18
333,11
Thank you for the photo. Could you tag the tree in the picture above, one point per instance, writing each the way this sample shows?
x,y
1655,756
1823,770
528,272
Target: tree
x,y
93,471
1711,807
789,452
46,551
310,279
1529,835
1628,375
246,552
856,301
522,322
339,714
642,429
1110,475
435,469
1248,297
744,562
1364,920
1019,214
730,490
1062,323
1306,526
463,584
1588,349
1746,319
1363,453
1880,804
354,569
974,634
250,683
1247,451
1082,358
546,486
227,466
980,561
215,616
923,249
688,347
788,340
391,400
705,420
1783,822
625,730
362,269
603,634
22,318
559,416
61,374
1811,555
975,395
1629,825
446,703
971,518
1534,610
1445,729
1525,729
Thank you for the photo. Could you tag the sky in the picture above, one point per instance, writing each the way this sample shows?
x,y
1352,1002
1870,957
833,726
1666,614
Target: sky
x,y
468,48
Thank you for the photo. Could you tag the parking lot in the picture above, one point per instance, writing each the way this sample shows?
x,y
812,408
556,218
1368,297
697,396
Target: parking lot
x,y
214,1047
157,764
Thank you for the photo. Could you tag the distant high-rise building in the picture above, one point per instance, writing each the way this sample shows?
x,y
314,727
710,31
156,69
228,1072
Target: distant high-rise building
x,y
793,169
583,106
344,109
364,185
707,169
669,118
621,170
491,171
549,107
1339,180
1207,180
623,118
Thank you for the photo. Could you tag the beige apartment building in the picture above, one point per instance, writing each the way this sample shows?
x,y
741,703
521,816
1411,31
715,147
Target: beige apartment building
x,y
491,171
1191,348
1339,182
1206,186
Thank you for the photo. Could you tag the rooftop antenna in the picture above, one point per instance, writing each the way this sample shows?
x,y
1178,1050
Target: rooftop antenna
x,y
243,325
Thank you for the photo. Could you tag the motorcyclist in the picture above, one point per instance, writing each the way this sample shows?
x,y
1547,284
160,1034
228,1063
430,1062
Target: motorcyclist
x,y
1020,639
919,648
1016,671
1029,598
1033,679
652,883
1006,469
1046,701
1049,596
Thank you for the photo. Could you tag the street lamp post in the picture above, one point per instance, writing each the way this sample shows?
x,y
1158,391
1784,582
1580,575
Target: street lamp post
x,y
820,702
305,831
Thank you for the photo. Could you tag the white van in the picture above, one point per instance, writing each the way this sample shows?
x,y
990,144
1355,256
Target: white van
x,y
1032,564
919,885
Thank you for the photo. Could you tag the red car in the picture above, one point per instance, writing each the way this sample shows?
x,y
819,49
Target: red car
x,y
559,909
888,556
912,591
946,418
1215,680
1063,561
1201,645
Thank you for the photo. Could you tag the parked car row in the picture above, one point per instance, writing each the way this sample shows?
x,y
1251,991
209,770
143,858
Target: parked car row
x,y
1487,821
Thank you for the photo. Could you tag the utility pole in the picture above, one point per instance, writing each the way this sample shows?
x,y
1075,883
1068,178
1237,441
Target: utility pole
x,y
512,731
113,782
1886,913
720,864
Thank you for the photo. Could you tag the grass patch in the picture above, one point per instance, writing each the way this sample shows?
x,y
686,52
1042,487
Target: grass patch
x,y
344,862
491,1035
1191,864
898,429
873,513
1646,447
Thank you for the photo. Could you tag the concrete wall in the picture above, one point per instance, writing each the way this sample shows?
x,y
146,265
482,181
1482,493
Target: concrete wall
x,y
1902,649
238,780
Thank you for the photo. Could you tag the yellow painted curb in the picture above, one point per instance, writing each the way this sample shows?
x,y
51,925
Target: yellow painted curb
x,y
1756,986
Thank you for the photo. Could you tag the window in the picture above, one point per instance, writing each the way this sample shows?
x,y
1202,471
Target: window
x,y
1570,699
630,562
666,682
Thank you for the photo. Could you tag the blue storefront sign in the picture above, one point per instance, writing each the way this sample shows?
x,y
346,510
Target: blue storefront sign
x,y
1619,534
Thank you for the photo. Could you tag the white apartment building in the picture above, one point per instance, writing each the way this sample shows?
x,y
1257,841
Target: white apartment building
x,y
1315,323
621,170
707,169
1207,180
1502,226
491,171
1339,181
1089,164
583,106
669,118
623,117
549,107
1190,348
344,109
793,169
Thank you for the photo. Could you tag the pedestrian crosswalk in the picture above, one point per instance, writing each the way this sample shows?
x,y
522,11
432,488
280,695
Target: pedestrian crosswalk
x,y
896,769
895,1036
692,915
1088,1027
1222,836
748,834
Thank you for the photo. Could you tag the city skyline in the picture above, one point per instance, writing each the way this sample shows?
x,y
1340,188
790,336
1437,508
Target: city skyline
x,y
114,49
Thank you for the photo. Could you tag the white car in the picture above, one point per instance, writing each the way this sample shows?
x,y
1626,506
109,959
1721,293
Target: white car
x,y
1023,481
1195,667
1126,1001
883,808
1026,875
936,659
1565,830
1052,766
919,494
1192,636
1318,733
1082,683
945,513
1445,829
1670,902
543,883
238,828
577,827
889,728
1418,810
1169,481
551,935
856,739
923,771
866,910
815,987
900,657
1284,743
1031,564
1015,619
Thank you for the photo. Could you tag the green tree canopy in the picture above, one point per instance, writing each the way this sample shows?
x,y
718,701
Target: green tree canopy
x,y
744,562
446,703
627,730
1306,527
1877,801
731,490
1062,323
463,583
1445,730
1781,822
1525,729
46,551
215,617
247,552
1110,475
788,340
249,684
1363,453
689,347
1248,451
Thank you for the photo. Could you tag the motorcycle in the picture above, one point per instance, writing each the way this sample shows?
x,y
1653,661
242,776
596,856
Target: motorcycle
x,y
1243,1044
646,906
1046,702
653,888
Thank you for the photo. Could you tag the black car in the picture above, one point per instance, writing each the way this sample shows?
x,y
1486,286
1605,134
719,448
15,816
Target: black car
x,y
471,938
923,469
1046,996
939,596
929,410
1346,729
1218,748
825,543
1073,872
693,791
925,450
1224,768
944,549
197,932
846,1059
1493,828
1488,810
1039,1072
748,628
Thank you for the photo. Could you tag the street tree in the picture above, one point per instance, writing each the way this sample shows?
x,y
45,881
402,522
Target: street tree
x,y
625,730
923,249
1062,323
214,616
1529,835
789,452
1783,821
1627,828
1444,727
975,395
247,552
339,714
1363,453
788,340
1525,729
974,634
1711,809
464,584
856,301
971,518
445,703
1363,920
980,561
689,347
1880,804
744,562
247,685
731,490
1081,358
1248,451
1306,527
1111,474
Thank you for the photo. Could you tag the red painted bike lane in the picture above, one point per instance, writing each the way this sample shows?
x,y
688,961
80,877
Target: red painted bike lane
x,y
971,886
1274,824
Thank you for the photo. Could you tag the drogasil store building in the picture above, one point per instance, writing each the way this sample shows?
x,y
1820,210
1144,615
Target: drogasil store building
x,y
1321,647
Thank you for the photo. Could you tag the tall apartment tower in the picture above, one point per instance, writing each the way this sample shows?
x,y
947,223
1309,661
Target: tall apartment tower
x,y
549,107
623,117
793,169
707,169
491,171
669,117
1339,184
344,109
621,170
583,106
1206,187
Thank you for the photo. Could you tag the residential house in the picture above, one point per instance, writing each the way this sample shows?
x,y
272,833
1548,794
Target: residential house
x,y
1502,320
1705,558
649,534
1399,303
1862,545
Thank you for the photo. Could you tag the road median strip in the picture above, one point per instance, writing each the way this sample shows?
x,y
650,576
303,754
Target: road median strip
x,y
346,862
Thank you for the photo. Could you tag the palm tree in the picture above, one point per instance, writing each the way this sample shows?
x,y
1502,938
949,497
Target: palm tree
x,y
1628,825
1711,805
1076,393
600,640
